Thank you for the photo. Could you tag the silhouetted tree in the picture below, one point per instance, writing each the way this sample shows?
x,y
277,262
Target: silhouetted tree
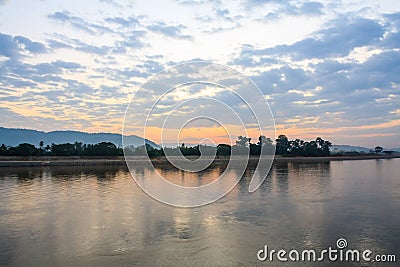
x,y
223,150
243,141
326,148
66,149
23,149
41,150
3,150
79,148
378,149
282,145
264,141
100,149
255,149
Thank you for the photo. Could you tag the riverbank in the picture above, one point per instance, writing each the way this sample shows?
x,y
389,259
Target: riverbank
x,y
106,161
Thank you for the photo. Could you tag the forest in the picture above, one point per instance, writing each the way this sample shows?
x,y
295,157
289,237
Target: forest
x,y
283,147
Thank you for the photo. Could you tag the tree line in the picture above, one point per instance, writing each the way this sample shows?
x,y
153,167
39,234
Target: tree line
x,y
66,149
283,146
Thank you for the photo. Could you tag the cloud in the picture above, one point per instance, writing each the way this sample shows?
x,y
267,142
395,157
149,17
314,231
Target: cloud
x,y
113,3
133,39
337,40
222,13
78,23
8,47
310,8
191,2
33,47
12,47
319,75
125,22
172,31
129,38
15,73
63,41
280,80
145,69
55,67
278,9
304,9
343,74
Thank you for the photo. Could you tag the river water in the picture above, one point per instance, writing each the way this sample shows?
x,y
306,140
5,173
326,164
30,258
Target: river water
x,y
98,216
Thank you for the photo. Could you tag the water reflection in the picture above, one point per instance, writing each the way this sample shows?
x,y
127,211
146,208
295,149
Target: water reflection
x,y
98,216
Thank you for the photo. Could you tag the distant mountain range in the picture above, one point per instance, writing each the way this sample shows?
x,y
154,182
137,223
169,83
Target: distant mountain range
x,y
14,137
349,148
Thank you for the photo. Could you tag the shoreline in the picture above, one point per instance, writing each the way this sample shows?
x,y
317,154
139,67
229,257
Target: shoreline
x,y
119,161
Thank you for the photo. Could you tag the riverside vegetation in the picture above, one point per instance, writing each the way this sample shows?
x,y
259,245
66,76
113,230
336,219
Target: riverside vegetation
x,y
282,145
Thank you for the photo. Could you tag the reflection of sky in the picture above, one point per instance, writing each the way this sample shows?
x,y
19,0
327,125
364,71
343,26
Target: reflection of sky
x,y
98,216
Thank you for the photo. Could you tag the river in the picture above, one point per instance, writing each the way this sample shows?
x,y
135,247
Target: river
x,y
98,216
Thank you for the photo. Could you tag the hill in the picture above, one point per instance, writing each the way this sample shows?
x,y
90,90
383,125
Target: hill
x,y
13,137
348,148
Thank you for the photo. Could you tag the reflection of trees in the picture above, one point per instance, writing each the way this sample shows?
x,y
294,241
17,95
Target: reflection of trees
x,y
313,177
320,168
78,172
181,177
22,175
60,174
281,175
286,174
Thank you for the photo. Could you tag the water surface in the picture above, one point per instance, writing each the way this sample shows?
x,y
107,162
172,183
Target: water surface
x,y
97,216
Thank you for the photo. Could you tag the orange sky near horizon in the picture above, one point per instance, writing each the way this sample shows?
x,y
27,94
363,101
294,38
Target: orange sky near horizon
x,y
194,135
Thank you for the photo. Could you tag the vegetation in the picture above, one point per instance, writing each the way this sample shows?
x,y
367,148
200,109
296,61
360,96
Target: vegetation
x,y
67,149
378,149
283,146
298,147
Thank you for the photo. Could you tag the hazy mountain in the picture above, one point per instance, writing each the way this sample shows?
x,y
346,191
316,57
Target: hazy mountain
x,y
13,137
348,148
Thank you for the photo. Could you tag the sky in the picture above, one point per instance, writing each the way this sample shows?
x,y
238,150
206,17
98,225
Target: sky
x,y
326,68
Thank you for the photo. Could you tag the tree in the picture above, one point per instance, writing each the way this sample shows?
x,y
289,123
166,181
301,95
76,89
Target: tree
x,y
311,148
282,145
326,148
223,150
296,147
255,149
3,150
66,149
378,149
24,149
243,141
264,141
78,148
41,150
101,149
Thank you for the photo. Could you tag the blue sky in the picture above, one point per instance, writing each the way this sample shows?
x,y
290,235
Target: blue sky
x,y
328,68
